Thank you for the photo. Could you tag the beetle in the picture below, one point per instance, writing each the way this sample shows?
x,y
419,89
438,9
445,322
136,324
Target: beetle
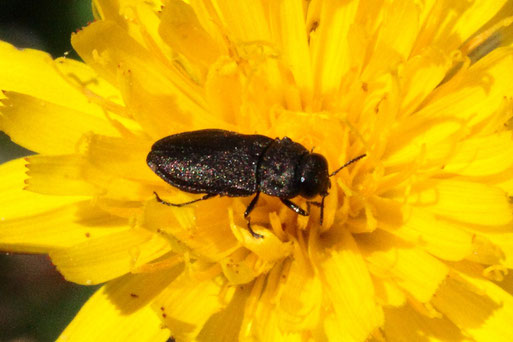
x,y
219,162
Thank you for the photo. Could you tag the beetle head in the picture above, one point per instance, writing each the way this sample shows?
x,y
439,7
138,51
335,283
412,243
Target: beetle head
x,y
314,178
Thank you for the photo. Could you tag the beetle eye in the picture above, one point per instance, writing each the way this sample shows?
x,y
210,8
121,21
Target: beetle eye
x,y
314,178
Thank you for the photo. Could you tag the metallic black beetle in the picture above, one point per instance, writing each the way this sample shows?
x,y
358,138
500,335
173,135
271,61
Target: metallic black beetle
x,y
217,162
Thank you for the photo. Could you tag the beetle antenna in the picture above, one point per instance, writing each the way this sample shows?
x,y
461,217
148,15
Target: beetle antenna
x,y
346,164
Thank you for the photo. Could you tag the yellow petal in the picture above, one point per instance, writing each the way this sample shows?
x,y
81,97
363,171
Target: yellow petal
x,y
420,75
97,93
104,258
158,111
379,209
12,194
300,301
436,137
329,47
464,103
116,188
269,248
506,182
482,156
477,93
462,201
242,267
57,229
289,29
388,293
120,208
119,311
75,175
449,23
415,271
114,10
58,175
120,59
225,325
181,29
45,127
247,20
62,82
443,239
123,157
132,15
478,307
477,14
262,321
223,90
141,21
201,228
349,288
186,304
395,38
406,324
498,250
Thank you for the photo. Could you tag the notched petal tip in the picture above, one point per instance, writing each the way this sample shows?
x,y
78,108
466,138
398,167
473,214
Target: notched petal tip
x,y
78,30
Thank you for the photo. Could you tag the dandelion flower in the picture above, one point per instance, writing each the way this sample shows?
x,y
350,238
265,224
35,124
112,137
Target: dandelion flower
x,y
417,238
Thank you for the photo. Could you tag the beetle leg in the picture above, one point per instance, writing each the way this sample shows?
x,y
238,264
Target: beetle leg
x,y
319,205
160,200
306,212
249,209
255,235
251,205
296,208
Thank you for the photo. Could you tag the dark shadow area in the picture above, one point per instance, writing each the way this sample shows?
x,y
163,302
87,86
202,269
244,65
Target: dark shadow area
x,y
45,25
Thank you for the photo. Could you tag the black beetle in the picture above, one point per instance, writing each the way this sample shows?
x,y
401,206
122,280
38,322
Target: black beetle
x,y
218,162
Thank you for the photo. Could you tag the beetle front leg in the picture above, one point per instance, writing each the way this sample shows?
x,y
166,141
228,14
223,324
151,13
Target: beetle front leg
x,y
160,200
251,205
296,208
249,209
319,205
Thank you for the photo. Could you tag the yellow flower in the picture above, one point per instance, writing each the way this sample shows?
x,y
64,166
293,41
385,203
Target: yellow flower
x,y
417,237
